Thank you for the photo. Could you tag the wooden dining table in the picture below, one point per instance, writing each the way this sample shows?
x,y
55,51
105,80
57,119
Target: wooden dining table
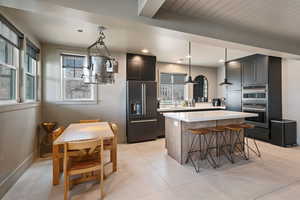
x,y
78,132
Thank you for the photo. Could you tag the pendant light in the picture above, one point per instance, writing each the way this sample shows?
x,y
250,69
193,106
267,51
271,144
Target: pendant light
x,y
101,66
225,82
189,79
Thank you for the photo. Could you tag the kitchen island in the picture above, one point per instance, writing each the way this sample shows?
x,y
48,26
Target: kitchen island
x,y
177,125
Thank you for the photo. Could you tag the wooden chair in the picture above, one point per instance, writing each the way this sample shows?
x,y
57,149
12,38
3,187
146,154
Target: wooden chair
x,y
111,144
55,134
92,162
89,120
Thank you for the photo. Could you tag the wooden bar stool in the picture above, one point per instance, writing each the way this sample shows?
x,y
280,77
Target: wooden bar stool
x,y
203,154
237,140
249,126
222,143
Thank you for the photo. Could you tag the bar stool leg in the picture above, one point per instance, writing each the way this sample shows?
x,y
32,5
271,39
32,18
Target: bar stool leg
x,y
230,147
190,151
247,143
208,156
218,149
226,144
258,151
200,153
238,141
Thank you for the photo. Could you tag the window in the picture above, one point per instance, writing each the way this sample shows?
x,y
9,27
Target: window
x,y
9,61
30,72
73,87
172,88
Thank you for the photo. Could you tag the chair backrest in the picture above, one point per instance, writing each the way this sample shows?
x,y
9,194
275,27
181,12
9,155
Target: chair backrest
x,y
114,128
89,120
57,132
89,146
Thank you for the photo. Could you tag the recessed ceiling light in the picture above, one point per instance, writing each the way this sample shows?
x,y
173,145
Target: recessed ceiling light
x,y
145,50
180,60
221,61
79,30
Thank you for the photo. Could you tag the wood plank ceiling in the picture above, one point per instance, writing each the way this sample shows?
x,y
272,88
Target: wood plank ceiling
x,y
278,18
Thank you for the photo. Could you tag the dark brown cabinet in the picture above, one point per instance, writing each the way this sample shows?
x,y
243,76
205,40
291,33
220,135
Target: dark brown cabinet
x,y
234,91
255,70
141,67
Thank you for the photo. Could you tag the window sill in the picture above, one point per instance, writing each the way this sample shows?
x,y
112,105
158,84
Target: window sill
x,y
92,102
18,106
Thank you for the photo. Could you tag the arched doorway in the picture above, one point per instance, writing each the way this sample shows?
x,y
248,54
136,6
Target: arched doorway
x,y
200,89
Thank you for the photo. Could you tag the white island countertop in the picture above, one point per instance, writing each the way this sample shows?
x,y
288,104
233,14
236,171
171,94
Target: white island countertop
x,y
188,108
207,115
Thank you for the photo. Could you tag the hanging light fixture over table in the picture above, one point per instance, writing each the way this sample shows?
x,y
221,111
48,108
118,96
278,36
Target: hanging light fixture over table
x,y
101,66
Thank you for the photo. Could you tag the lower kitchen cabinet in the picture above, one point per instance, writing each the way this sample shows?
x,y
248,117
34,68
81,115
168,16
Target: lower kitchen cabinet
x,y
141,131
234,100
161,125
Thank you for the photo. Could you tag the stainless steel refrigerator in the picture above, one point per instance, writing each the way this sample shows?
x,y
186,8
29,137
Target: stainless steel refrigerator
x,y
142,122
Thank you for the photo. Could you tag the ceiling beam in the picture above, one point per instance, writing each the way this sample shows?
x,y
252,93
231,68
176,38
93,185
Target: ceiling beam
x,y
149,8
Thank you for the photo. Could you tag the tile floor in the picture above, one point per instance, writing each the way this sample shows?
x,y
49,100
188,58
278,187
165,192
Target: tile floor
x,y
147,173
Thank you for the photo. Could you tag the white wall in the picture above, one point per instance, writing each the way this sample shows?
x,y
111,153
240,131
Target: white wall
x,y
19,129
291,92
209,72
111,104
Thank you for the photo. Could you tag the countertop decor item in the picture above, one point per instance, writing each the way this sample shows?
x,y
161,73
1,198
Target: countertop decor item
x,y
101,66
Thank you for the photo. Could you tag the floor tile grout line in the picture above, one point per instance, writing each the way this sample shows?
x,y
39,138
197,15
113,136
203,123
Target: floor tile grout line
x,y
276,190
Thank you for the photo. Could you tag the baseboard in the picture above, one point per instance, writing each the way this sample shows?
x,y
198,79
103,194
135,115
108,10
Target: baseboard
x,y
11,179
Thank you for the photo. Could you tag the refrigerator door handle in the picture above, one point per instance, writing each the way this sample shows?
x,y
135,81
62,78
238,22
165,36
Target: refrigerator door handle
x,y
143,121
142,99
145,99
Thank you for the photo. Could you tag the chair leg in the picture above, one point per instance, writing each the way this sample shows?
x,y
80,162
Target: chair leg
x,y
101,173
66,184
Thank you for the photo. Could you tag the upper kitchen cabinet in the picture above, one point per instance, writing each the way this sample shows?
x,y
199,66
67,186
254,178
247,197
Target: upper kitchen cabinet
x,y
234,75
255,70
141,67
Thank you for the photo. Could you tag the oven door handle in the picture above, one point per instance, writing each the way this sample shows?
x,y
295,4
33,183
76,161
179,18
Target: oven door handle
x,y
254,109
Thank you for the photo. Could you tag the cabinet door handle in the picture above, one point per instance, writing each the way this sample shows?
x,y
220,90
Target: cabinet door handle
x,y
143,121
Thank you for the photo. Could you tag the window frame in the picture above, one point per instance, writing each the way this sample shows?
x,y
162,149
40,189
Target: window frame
x,y
63,98
15,100
14,66
172,85
17,71
34,76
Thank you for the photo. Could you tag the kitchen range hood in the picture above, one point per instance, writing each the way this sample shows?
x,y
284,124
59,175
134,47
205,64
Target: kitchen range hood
x,y
225,82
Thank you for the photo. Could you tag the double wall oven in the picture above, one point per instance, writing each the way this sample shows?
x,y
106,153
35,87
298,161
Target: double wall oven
x,y
255,100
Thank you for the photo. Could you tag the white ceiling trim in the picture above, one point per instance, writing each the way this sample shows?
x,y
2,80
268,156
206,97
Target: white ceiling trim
x,y
149,8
